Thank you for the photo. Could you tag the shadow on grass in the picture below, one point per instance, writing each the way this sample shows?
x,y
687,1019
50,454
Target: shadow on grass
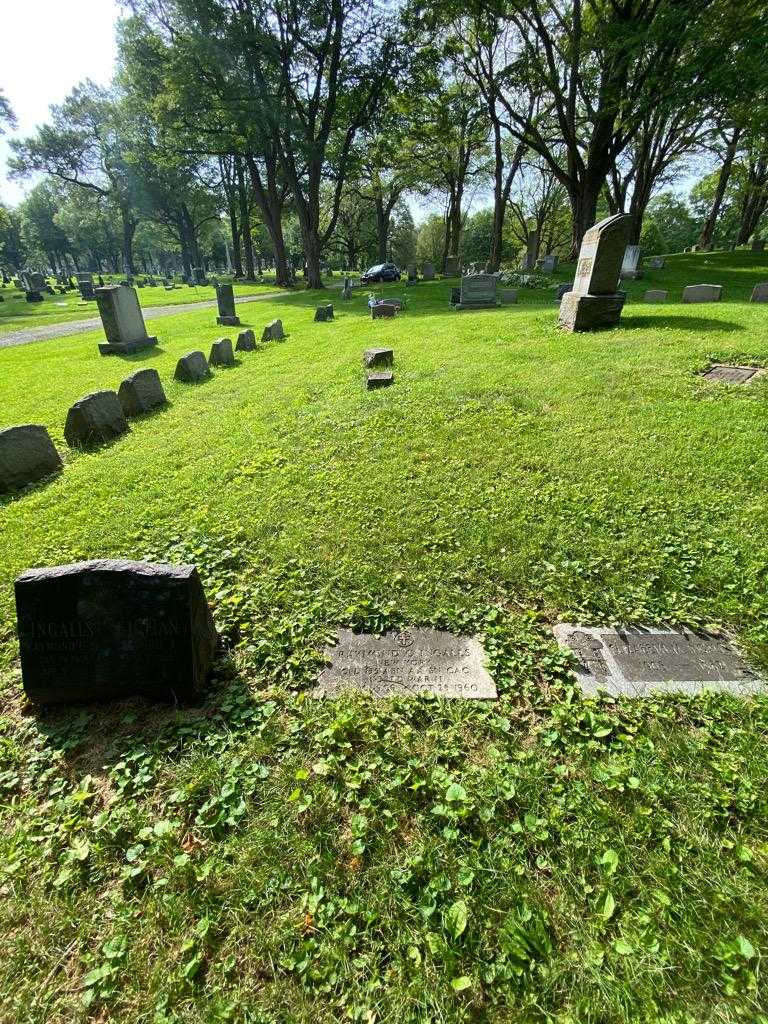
x,y
681,323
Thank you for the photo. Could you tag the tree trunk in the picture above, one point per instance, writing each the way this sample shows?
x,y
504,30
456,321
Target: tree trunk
x,y
708,230
129,230
270,203
583,212
245,220
755,199
382,226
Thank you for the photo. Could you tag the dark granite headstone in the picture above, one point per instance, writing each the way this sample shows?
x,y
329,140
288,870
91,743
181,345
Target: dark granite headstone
x,y
451,266
373,381
141,392
378,357
104,630
246,341
324,313
123,321
95,419
383,311
273,331
478,291
414,662
732,374
595,300
428,271
225,298
221,353
192,368
27,454
635,661
508,296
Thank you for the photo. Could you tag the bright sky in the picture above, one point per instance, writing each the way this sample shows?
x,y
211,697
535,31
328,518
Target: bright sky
x,y
46,48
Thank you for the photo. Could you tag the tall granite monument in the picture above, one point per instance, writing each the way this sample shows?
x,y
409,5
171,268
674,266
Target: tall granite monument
x,y
225,298
595,300
123,321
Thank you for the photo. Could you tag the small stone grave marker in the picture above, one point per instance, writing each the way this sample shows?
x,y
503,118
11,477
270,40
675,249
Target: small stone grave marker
x,y
324,313
636,661
27,454
760,292
273,331
655,295
383,311
378,357
428,271
414,662
731,374
192,368
141,392
550,263
103,630
451,266
379,380
702,293
95,419
246,341
221,353
508,296
758,244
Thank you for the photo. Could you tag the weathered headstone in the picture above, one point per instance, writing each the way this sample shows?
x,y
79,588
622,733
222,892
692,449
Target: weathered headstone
x,y
123,321
378,357
760,292
415,662
637,661
273,331
550,263
141,392
346,291
508,296
758,244
655,295
324,313
451,266
595,300
656,263
383,311
428,271
221,353
732,374
631,267
85,287
105,630
95,419
225,299
379,380
478,291
192,368
246,341
702,293
27,454
32,284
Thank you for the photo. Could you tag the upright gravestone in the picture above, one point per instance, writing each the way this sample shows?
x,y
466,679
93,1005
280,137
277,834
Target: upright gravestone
x,y
273,331
225,298
192,368
346,291
123,321
85,287
95,419
373,357
221,353
531,250
655,295
478,291
413,275
595,300
141,392
246,341
702,293
550,263
383,311
105,630
32,284
324,313
451,266
631,267
428,271
760,292
27,454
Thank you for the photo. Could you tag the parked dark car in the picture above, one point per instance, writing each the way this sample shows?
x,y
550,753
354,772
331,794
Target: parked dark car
x,y
381,272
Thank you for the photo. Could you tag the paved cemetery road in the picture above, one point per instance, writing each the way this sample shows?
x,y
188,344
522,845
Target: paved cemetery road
x,y
31,334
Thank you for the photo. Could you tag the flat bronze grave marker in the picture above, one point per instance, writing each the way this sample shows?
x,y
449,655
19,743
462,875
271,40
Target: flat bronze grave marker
x,y
635,661
731,374
413,662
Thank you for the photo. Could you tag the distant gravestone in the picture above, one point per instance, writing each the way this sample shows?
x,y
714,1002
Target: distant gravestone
x,y
221,353
346,291
273,331
451,266
758,244
324,313
141,392
760,292
550,264
595,300
122,320
508,296
392,301
383,311
631,267
225,299
635,661
105,630
702,293
95,419
379,380
531,250
655,295
246,341
85,287
378,357
192,368
428,271
732,374
27,454
478,291
657,263
32,285
413,275
415,662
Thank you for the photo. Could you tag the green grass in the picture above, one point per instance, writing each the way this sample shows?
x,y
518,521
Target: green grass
x,y
270,858
16,314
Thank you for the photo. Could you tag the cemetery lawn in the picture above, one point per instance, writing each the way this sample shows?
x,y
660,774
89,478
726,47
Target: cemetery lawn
x,y
16,314
269,857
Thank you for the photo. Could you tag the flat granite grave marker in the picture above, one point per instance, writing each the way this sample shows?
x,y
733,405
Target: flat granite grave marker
x,y
732,374
27,454
595,300
655,295
95,419
192,368
104,630
225,300
122,320
246,341
413,662
221,353
378,357
702,293
634,661
478,291
760,292
141,392
373,381
383,311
